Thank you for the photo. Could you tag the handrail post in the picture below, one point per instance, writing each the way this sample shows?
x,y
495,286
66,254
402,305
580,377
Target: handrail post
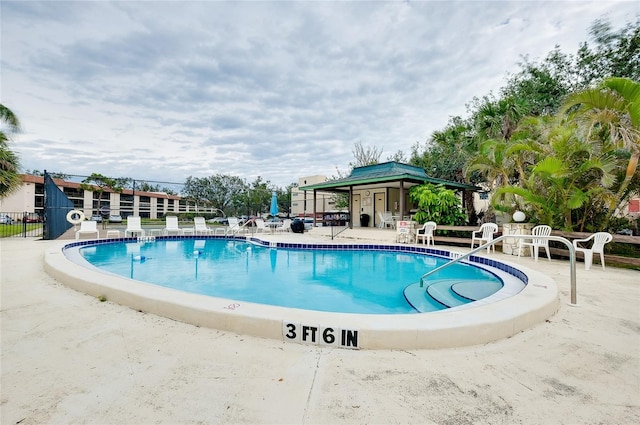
x,y
572,260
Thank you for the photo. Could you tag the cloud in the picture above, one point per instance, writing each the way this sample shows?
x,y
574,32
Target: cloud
x,y
281,90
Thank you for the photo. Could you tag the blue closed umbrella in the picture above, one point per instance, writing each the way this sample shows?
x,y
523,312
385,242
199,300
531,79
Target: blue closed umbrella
x,y
274,205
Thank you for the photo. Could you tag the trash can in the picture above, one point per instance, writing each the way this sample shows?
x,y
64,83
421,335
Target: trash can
x,y
297,226
364,220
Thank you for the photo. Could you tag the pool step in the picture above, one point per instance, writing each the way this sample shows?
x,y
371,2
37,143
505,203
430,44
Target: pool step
x,y
417,297
440,290
447,293
476,289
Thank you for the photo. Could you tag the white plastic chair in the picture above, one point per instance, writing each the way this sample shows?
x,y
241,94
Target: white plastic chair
x,y
600,239
234,226
484,235
260,226
134,225
285,227
536,244
200,226
426,233
171,225
88,227
386,219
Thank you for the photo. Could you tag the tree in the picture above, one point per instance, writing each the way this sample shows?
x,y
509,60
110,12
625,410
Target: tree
x,y
507,136
218,191
99,183
10,179
612,54
436,203
569,178
365,156
53,174
399,156
259,196
543,85
610,114
448,152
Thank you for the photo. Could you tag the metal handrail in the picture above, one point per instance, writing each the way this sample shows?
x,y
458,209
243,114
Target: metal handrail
x,y
333,235
572,259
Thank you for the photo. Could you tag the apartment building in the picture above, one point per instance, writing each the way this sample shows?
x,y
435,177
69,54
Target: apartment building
x,y
302,201
30,198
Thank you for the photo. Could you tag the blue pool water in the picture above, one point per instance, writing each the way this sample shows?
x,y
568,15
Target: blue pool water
x,y
350,281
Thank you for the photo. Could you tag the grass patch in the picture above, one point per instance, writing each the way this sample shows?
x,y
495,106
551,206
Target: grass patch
x,y
9,230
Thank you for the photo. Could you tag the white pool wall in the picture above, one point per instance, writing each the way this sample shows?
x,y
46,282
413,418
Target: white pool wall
x,y
475,325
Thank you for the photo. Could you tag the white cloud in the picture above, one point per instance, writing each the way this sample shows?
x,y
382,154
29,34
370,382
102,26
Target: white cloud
x,y
166,90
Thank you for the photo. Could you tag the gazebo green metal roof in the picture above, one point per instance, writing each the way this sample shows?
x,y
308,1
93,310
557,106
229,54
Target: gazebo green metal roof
x,y
386,172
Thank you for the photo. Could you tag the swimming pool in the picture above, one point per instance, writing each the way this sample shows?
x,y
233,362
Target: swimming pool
x,y
498,316
337,280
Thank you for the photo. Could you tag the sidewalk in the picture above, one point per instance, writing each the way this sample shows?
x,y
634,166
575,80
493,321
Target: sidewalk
x,y
68,358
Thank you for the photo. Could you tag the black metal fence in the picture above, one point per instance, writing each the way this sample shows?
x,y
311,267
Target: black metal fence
x,y
49,224
21,224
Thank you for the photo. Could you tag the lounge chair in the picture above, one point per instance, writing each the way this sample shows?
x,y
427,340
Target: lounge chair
x,y
485,235
88,227
200,226
536,244
171,226
134,226
261,227
426,233
600,239
386,219
285,227
234,226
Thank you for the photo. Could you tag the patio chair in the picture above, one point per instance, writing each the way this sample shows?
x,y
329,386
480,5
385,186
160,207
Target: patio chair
x,y
485,234
285,227
200,226
426,233
88,227
261,227
535,243
134,226
171,226
386,219
600,239
234,226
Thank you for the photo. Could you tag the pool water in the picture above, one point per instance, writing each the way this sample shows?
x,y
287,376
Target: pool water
x,y
348,281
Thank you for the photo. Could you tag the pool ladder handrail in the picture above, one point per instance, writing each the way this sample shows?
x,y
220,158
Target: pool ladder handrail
x,y
572,259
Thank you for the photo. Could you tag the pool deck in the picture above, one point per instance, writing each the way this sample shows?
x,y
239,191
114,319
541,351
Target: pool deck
x,y
69,358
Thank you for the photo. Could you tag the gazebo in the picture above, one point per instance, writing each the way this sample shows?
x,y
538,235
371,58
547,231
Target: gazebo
x,y
379,188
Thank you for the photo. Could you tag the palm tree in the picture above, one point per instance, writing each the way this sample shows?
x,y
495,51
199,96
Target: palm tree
x,y
611,116
9,162
563,178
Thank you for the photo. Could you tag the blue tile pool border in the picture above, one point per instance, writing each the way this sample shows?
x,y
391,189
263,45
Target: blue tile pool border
x,y
472,260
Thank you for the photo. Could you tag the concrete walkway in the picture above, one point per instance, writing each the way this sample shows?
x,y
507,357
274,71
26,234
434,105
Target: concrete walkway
x,y
69,358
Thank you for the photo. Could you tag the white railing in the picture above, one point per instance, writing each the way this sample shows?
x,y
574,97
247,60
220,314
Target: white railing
x,y
572,259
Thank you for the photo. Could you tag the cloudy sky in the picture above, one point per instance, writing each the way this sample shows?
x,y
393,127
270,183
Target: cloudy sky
x,y
158,90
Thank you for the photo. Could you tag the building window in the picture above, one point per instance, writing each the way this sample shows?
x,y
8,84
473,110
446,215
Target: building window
x,y
126,205
73,192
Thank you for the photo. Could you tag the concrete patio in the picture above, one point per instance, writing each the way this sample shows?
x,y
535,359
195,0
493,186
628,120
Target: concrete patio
x,y
69,358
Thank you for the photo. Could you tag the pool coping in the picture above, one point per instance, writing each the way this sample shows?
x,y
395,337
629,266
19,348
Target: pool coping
x,y
479,323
